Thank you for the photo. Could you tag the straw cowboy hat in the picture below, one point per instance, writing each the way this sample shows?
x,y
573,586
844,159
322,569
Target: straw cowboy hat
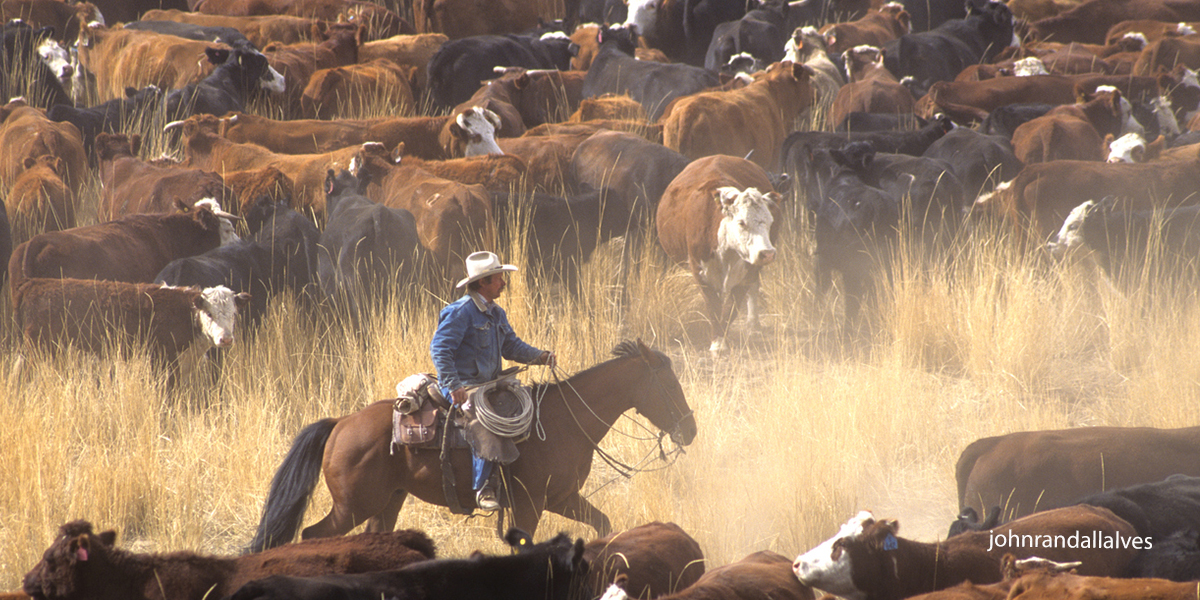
x,y
482,264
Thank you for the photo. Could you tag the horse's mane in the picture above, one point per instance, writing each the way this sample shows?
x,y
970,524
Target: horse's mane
x,y
624,349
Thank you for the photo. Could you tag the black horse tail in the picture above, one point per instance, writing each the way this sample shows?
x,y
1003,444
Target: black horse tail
x,y
291,487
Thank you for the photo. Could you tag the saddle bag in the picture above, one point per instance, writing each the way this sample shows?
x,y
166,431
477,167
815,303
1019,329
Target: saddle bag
x,y
415,412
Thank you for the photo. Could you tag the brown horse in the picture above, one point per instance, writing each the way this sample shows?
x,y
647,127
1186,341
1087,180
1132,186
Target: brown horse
x,y
367,482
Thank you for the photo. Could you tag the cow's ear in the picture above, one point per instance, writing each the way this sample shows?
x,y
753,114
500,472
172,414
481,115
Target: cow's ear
x,y
521,81
216,56
135,143
726,196
30,162
242,299
830,38
1108,140
108,538
182,206
330,178
456,131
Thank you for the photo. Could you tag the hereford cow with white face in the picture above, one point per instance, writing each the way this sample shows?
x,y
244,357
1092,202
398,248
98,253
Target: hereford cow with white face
x,y
718,216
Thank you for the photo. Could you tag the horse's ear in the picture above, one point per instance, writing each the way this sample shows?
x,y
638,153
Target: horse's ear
x,y
647,353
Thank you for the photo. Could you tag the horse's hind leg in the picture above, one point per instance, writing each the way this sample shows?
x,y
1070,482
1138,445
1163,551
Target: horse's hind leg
x,y
385,520
577,508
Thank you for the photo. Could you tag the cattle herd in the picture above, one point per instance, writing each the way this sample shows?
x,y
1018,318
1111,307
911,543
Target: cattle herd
x,y
331,149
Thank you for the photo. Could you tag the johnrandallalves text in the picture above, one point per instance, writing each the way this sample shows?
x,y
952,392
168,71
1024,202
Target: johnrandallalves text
x,y
1085,540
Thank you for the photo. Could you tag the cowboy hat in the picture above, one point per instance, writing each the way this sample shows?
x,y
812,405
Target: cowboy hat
x,y
482,264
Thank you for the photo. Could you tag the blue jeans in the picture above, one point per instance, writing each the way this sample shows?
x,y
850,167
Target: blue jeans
x,y
481,469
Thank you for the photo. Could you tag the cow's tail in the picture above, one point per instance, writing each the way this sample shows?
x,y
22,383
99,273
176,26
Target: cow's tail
x,y
292,486
966,463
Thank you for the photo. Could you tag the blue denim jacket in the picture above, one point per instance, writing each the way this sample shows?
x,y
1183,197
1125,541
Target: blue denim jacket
x,y
469,342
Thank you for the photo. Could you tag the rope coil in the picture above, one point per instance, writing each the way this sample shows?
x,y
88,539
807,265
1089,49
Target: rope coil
x,y
514,426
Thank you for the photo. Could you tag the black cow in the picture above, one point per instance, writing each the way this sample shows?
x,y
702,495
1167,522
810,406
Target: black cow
x,y
293,240
968,520
942,53
116,115
365,245
1004,121
929,14
23,71
602,12
930,195
799,146
980,161
1157,510
865,121
239,72
224,35
552,570
635,167
761,33
563,232
1177,557
682,29
459,66
241,266
1121,239
855,226
614,70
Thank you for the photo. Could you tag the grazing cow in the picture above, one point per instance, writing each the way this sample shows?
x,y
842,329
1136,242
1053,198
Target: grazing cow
x,y
636,168
25,132
39,201
133,249
466,18
260,31
615,71
31,63
761,33
552,570
940,54
1038,200
1039,470
866,559
872,88
313,136
82,562
377,21
751,121
760,576
366,248
718,216
1074,131
115,115
132,186
656,559
1089,22
459,67
221,35
92,315
561,233
877,28
452,218
357,89
980,161
1126,242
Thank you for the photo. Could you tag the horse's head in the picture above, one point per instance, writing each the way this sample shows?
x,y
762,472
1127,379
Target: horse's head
x,y
662,401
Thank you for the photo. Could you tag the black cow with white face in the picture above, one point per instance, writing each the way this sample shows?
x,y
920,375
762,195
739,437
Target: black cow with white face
x,y
240,71
760,33
460,66
24,70
614,70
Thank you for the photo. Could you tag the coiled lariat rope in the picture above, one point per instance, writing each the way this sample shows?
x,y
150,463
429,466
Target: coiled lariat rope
x,y
500,425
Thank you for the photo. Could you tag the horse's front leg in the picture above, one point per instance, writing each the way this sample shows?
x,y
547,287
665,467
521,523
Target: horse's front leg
x,y
577,508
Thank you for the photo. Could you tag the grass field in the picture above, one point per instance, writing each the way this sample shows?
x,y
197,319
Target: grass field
x,y
799,427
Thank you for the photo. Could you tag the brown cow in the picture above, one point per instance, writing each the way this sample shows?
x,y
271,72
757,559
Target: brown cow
x,y
313,136
259,188
760,576
39,200
65,18
1038,201
876,28
411,50
656,559
751,121
132,186
465,18
453,219
121,574
586,37
1150,30
25,132
966,101
122,58
1090,21
205,149
92,315
1039,470
866,559
718,216
872,88
1073,131
297,62
357,89
377,21
1165,54
133,249
1067,586
261,31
